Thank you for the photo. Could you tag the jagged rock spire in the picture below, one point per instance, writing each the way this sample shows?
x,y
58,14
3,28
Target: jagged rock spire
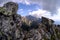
x,y
9,8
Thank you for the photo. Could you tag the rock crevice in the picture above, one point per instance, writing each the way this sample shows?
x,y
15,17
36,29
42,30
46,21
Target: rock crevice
x,y
16,27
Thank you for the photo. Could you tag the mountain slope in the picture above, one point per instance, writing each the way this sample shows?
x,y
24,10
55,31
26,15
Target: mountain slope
x,y
32,18
16,27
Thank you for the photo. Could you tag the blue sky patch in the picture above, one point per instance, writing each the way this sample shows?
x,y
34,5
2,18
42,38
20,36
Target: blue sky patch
x,y
27,8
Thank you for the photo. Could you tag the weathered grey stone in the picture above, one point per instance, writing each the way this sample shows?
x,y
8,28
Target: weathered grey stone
x,y
9,22
47,21
15,27
11,8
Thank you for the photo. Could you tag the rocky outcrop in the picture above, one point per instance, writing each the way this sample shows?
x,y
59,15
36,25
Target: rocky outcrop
x,y
9,8
16,27
9,22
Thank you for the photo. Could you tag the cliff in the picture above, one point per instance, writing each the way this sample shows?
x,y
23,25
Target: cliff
x,y
16,27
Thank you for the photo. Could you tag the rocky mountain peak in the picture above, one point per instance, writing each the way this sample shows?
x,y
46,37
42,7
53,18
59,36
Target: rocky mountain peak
x,y
16,27
9,8
47,21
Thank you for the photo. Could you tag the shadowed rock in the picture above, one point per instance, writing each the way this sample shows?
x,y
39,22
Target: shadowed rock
x,y
15,27
9,8
9,21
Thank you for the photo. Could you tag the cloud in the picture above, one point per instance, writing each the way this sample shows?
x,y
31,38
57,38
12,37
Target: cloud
x,y
2,2
17,1
39,13
21,1
49,5
57,16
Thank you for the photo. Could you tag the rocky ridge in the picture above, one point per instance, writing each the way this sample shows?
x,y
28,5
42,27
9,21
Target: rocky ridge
x,y
16,27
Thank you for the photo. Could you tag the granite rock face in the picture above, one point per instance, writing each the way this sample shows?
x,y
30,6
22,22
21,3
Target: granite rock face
x,y
9,22
16,27
9,8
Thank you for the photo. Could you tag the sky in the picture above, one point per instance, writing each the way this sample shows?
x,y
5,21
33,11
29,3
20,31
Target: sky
x,y
38,8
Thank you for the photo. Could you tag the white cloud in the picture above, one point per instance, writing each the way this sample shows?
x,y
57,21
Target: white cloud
x,y
17,1
3,1
57,16
45,13
27,2
49,5
21,1
39,13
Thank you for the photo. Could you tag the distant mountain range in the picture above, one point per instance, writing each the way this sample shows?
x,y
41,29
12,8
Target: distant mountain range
x,y
32,18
